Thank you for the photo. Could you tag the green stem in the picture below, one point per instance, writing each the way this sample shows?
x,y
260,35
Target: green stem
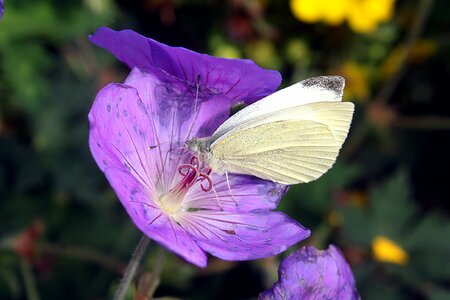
x,y
132,268
29,282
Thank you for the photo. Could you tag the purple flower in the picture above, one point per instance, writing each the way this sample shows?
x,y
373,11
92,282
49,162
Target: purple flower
x,y
309,274
235,79
2,9
137,133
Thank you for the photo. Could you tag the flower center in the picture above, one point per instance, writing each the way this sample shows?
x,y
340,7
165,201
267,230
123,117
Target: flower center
x,y
171,201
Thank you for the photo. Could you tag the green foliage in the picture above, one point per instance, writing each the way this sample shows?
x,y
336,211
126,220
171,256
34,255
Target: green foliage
x,y
393,213
390,179
309,202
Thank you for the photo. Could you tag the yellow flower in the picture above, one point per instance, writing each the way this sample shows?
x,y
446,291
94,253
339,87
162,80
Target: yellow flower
x,y
360,22
335,12
311,11
387,251
308,11
363,15
227,51
335,219
297,52
264,53
380,10
420,52
357,81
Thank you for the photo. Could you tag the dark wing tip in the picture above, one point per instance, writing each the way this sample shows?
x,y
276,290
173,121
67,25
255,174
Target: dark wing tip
x,y
333,83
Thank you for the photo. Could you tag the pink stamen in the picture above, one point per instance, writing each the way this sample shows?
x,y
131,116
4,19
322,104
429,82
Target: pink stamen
x,y
204,175
194,161
192,175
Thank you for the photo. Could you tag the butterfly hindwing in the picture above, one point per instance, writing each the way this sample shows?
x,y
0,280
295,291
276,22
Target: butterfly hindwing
x,y
289,146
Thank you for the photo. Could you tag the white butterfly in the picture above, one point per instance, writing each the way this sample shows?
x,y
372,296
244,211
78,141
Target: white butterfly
x,y
289,137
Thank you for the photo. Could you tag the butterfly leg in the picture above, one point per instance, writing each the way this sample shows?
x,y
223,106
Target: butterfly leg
x,y
229,188
217,198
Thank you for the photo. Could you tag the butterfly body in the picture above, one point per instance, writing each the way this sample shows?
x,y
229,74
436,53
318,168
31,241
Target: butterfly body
x,y
202,149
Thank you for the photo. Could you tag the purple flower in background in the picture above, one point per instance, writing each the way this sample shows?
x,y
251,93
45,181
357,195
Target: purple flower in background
x,y
137,133
2,9
309,274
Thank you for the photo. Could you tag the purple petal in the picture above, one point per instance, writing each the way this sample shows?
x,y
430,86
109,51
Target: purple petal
x,y
243,236
121,133
120,150
237,79
171,104
2,9
247,194
151,220
309,274
127,119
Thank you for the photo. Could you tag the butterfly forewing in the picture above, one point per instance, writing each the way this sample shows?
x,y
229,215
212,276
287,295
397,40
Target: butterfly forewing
x,y
316,89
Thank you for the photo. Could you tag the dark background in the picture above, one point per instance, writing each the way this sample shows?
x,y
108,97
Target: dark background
x,y
64,234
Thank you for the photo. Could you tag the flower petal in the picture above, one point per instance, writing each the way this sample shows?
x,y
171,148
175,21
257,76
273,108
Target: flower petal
x,y
309,274
2,9
118,139
151,220
127,126
237,79
247,194
243,236
173,105
120,133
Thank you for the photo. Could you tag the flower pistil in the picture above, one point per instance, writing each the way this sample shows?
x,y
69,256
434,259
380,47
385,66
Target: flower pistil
x,y
171,201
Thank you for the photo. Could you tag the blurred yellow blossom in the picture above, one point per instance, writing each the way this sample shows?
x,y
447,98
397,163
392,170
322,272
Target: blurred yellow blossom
x,y
227,51
335,11
365,15
264,53
310,11
298,52
422,50
419,52
356,81
362,15
335,219
388,251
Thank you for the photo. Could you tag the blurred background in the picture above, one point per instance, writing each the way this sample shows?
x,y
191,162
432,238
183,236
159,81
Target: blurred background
x,y
64,234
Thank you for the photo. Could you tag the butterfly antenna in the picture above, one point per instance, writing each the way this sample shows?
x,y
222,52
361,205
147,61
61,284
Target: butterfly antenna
x,y
229,188
151,147
197,90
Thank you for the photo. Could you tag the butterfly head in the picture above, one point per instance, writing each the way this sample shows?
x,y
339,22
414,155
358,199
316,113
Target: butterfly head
x,y
193,145
197,145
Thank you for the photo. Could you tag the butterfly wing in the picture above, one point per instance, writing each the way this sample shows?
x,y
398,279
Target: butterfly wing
x,y
315,89
289,146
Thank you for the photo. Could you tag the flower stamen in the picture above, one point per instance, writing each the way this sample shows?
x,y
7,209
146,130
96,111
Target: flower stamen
x,y
204,175
172,200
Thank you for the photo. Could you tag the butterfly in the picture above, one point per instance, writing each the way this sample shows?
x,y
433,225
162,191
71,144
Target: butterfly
x,y
291,136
